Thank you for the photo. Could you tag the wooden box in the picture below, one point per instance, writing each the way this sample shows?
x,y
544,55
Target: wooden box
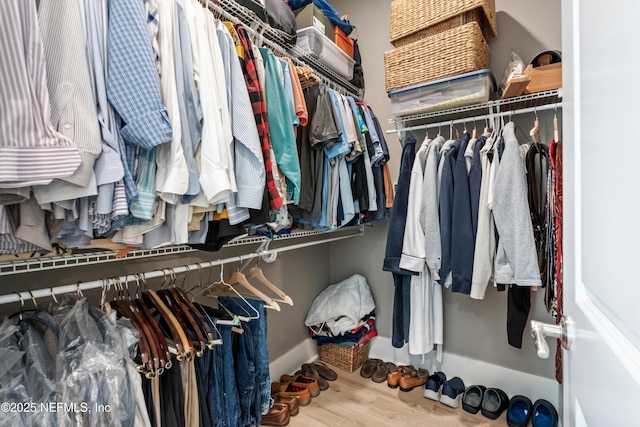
x,y
546,77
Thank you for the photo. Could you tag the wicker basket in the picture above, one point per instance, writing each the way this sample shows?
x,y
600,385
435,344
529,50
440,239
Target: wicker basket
x,y
455,51
412,20
345,358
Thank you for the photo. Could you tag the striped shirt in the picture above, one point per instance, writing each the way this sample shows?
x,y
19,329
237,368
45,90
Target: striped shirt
x,y
31,151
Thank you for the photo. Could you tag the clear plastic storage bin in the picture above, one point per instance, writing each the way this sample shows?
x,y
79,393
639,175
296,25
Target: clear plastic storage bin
x,y
313,41
465,89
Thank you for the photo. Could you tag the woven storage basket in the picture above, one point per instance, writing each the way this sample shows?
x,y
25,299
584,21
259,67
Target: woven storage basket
x,y
345,358
412,20
452,52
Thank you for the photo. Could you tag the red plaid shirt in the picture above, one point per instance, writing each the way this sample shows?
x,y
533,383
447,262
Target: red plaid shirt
x,y
259,113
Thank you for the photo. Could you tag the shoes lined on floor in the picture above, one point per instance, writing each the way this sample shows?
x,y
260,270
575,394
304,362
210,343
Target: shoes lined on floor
x,y
433,387
278,415
393,377
472,398
494,403
415,378
452,391
301,380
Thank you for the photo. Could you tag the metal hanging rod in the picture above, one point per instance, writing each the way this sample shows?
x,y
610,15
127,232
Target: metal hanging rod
x,y
268,255
489,115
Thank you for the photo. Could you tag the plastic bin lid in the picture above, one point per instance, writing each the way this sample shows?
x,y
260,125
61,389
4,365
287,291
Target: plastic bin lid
x,y
448,79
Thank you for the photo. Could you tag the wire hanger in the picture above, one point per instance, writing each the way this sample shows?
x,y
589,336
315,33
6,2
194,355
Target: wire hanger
x,y
224,285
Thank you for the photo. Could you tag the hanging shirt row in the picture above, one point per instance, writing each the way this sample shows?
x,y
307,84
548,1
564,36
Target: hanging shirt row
x,y
154,123
473,212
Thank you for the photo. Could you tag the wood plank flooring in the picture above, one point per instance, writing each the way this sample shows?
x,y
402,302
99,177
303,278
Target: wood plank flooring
x,y
355,401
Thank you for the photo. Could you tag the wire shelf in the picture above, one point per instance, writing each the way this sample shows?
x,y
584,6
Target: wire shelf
x,y
510,104
86,257
279,42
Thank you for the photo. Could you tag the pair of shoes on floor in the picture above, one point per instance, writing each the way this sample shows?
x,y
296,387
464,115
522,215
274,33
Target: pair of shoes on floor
x,y
393,377
542,413
447,392
412,379
309,371
319,369
278,415
298,390
301,380
376,369
492,402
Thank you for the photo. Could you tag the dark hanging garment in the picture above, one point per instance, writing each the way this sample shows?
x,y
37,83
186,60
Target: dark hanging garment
x,y
462,238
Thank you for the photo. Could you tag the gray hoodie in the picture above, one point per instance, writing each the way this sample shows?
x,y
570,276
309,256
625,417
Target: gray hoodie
x,y
516,259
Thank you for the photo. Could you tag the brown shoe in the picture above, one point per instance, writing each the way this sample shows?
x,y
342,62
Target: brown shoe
x,y
416,378
290,401
278,415
393,377
299,391
311,383
368,367
381,372
308,370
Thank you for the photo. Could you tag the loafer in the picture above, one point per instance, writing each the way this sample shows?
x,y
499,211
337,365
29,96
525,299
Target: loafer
x,y
311,383
393,377
299,391
519,411
325,372
417,378
382,371
368,367
290,401
452,390
544,414
278,415
494,403
433,386
472,398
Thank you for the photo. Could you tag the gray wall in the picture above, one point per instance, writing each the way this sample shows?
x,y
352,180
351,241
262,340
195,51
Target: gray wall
x,y
475,329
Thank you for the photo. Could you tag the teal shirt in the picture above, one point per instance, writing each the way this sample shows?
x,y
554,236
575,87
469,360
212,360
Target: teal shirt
x,y
283,140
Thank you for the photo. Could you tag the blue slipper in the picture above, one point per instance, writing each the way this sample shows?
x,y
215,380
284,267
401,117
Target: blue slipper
x,y
544,414
519,411
434,385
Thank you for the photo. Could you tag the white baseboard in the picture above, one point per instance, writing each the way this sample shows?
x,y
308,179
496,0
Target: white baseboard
x,y
291,361
474,371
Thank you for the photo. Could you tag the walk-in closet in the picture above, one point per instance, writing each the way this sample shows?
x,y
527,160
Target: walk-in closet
x,y
318,213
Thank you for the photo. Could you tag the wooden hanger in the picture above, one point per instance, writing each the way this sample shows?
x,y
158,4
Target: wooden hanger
x,y
256,272
222,285
556,133
183,314
534,133
241,279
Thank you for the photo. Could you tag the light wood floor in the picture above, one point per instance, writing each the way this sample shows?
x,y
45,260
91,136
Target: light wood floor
x,y
355,401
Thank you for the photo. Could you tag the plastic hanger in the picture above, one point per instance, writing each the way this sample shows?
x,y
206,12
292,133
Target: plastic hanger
x,y
256,272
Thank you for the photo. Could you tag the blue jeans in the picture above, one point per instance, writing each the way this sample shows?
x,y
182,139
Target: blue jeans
x,y
261,401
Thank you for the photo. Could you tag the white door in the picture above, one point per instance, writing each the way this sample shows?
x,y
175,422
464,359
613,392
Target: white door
x,y
601,62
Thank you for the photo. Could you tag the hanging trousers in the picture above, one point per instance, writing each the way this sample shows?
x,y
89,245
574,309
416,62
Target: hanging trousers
x,y
519,304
